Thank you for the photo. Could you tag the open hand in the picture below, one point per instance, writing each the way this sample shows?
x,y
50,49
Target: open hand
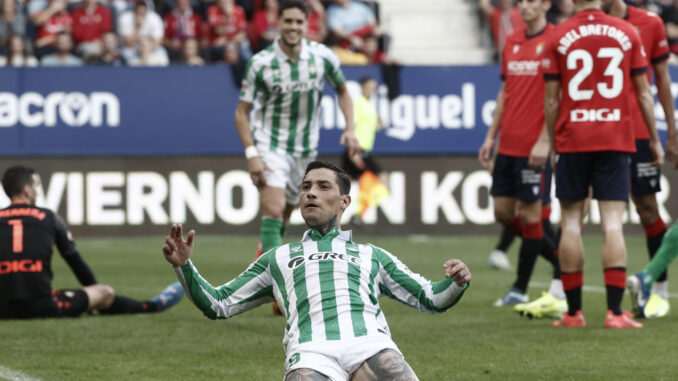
x,y
176,250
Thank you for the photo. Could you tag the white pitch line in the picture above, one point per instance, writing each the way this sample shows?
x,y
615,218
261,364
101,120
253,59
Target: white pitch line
x,y
15,375
596,289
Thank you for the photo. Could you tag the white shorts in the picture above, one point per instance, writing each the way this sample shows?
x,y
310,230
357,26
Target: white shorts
x,y
337,359
285,172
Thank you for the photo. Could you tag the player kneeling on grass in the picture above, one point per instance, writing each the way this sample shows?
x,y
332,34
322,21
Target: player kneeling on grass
x,y
27,235
327,286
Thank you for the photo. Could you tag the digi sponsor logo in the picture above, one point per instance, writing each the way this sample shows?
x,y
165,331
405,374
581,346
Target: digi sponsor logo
x,y
20,266
599,115
297,261
74,109
523,67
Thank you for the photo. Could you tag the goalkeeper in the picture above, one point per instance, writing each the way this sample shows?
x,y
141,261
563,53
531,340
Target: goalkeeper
x,y
327,286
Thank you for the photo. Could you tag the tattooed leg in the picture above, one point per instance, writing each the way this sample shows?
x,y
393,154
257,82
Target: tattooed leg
x,y
387,365
304,374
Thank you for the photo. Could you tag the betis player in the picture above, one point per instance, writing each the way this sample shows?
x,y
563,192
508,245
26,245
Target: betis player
x,y
519,176
645,179
283,85
592,64
328,287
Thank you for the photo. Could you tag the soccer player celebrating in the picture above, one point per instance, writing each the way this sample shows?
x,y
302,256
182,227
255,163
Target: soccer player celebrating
x,y
328,287
284,83
519,174
645,179
596,60
27,235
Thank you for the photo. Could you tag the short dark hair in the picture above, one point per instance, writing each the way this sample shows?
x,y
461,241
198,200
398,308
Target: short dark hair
x,y
366,79
288,4
15,178
341,177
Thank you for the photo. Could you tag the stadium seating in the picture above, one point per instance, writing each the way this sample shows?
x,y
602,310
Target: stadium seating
x,y
434,32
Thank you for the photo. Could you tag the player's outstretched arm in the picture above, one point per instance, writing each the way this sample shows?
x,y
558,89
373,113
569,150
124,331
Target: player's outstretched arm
x,y
251,288
405,286
646,103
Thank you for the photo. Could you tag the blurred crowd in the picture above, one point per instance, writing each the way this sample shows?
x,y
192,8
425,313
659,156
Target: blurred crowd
x,y
501,18
168,32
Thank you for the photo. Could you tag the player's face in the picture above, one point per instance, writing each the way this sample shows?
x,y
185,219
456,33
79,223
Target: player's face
x,y
292,25
531,10
321,200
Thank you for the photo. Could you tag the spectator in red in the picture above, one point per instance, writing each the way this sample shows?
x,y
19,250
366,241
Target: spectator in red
x,y
227,23
265,25
504,19
351,21
181,24
90,21
317,24
50,21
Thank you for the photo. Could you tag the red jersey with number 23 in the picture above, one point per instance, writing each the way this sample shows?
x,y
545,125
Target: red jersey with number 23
x,y
653,36
522,119
594,56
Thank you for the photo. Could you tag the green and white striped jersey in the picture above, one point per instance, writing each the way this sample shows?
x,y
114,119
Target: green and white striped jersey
x,y
327,287
286,96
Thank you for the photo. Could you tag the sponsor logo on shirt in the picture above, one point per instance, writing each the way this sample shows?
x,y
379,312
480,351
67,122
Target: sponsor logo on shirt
x,y
523,68
20,266
599,115
297,261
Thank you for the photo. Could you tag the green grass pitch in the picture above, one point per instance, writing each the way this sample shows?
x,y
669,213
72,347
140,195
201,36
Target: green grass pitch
x,y
470,342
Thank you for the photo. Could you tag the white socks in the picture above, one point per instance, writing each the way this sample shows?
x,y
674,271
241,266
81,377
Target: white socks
x,y
556,289
661,289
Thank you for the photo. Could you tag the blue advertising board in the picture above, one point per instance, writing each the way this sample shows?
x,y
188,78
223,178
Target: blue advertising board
x,y
189,111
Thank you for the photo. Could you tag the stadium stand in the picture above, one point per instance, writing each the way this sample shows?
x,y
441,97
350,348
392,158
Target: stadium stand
x,y
434,32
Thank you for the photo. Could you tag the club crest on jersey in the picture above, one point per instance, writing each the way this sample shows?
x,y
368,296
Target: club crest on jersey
x,y
516,48
540,48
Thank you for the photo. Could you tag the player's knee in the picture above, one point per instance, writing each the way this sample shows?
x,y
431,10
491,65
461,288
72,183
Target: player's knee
x,y
647,211
504,217
107,294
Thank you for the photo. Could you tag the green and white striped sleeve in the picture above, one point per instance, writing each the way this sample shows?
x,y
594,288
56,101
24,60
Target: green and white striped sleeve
x,y
251,288
251,81
332,67
400,283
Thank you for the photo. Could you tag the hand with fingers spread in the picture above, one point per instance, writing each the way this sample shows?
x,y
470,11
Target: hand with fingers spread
x,y
176,250
458,271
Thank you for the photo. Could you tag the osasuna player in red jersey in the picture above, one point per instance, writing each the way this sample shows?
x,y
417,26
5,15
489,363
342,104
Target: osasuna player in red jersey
x,y
27,236
519,172
645,179
592,64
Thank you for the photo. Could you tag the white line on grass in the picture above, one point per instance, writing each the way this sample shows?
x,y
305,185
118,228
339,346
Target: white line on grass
x,y
597,289
15,375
